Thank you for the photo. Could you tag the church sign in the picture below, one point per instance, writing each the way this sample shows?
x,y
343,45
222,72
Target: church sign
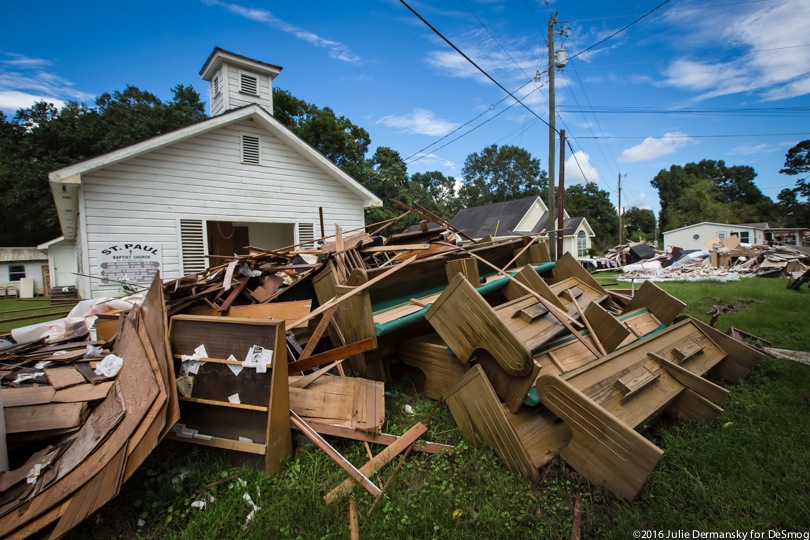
x,y
129,263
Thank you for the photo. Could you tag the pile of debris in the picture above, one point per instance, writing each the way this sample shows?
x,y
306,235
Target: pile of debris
x,y
532,357
723,259
81,416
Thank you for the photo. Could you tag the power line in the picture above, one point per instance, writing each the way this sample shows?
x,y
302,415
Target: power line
x,y
496,39
619,31
491,118
719,136
470,60
490,108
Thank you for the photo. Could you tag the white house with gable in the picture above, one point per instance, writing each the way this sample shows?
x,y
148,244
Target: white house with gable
x,y
237,179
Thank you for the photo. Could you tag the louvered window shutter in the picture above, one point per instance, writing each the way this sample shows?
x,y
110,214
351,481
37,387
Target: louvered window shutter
x,y
251,151
306,234
193,246
248,84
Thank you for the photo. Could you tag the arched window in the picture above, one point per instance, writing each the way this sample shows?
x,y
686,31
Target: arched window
x,y
582,245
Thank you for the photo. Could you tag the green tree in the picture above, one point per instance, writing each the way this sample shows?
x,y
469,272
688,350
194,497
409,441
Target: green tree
x,y
794,204
436,192
639,224
590,202
337,138
797,159
135,115
501,174
732,188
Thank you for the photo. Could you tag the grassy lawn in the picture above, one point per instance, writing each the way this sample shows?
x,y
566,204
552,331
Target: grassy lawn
x,y
747,470
13,308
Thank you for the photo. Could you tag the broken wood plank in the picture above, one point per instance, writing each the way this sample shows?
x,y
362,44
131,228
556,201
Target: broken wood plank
x,y
344,464
82,392
386,439
380,460
44,417
323,324
34,395
338,353
62,377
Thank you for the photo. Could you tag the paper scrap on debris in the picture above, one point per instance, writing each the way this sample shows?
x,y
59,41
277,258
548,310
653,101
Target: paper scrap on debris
x,y
110,366
27,376
200,505
253,357
94,351
201,352
266,361
34,473
190,365
245,440
229,275
235,369
234,398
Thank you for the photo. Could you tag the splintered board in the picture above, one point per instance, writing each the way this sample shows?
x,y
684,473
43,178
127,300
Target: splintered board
x,y
346,401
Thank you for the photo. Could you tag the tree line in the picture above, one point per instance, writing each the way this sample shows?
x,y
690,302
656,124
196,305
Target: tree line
x,y
43,138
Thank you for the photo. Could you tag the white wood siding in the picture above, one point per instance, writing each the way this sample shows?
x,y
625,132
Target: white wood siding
x,y
143,199
218,100
237,99
532,216
685,238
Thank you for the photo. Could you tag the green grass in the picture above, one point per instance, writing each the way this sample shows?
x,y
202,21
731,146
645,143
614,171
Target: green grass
x,y
44,307
746,470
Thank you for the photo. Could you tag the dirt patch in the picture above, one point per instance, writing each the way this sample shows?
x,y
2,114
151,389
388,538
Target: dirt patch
x,y
717,307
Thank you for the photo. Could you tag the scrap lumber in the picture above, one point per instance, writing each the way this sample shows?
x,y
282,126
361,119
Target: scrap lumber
x,y
88,469
344,464
379,460
387,439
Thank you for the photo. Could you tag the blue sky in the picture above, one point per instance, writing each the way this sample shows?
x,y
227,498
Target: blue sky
x,y
707,79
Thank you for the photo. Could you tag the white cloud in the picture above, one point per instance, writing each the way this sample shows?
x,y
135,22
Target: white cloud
x,y
25,80
763,40
337,50
653,147
420,121
762,148
515,67
11,100
579,170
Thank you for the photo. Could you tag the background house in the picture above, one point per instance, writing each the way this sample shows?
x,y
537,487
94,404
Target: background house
x,y
177,201
695,236
526,216
23,263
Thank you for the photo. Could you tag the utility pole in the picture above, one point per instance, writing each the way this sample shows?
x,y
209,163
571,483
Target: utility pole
x,y
561,196
552,132
621,216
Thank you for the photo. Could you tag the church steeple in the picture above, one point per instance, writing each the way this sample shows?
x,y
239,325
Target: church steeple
x,y
236,81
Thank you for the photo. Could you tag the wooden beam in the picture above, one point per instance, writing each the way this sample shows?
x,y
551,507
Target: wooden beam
x,y
378,461
386,439
335,354
323,324
319,441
